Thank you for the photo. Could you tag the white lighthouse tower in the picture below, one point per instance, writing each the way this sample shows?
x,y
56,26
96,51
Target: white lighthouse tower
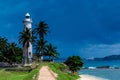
x,y
27,50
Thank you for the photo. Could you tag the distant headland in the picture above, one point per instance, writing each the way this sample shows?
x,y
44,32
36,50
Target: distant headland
x,y
106,58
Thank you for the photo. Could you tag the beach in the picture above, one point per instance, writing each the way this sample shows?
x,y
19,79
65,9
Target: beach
x,y
90,77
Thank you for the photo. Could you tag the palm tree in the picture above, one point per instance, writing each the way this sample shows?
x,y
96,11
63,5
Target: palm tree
x,y
42,29
9,52
15,52
12,53
3,43
40,47
3,48
52,52
12,47
26,38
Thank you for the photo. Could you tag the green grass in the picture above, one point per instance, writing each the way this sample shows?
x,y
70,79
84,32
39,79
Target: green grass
x,y
56,67
4,75
34,73
14,75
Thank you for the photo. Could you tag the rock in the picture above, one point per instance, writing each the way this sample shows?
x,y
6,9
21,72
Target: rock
x,y
103,67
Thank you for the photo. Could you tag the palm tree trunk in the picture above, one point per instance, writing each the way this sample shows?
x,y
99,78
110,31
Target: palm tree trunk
x,y
49,57
42,55
38,57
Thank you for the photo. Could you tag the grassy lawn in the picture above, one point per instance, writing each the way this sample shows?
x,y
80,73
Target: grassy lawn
x,y
34,72
4,75
14,75
56,67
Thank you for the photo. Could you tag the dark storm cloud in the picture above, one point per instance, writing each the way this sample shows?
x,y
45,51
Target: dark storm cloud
x,y
97,21
72,22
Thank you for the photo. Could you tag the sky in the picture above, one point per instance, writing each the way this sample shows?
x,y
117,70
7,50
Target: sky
x,y
88,28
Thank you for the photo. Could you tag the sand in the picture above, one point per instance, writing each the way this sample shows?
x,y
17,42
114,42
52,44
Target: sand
x,y
89,77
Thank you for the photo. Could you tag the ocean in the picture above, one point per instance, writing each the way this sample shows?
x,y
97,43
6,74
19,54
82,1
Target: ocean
x,y
101,63
110,74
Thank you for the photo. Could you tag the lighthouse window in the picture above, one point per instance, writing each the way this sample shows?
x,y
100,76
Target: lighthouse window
x,y
29,53
27,17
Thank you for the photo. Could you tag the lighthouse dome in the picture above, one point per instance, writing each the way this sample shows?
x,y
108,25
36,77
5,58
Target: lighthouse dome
x,y
27,15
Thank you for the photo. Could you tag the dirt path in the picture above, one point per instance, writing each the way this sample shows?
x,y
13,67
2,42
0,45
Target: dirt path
x,y
46,74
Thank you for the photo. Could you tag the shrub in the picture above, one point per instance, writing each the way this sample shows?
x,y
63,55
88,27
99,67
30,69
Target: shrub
x,y
74,63
23,69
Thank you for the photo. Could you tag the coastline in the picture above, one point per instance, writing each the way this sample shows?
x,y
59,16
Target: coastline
x,y
90,77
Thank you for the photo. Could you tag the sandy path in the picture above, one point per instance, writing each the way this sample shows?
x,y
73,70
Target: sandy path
x,y
46,74
89,77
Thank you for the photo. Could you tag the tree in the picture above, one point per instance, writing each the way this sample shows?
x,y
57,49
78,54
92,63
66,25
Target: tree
x,y
26,37
14,53
11,53
3,48
12,47
51,52
40,47
3,43
74,63
41,30
18,55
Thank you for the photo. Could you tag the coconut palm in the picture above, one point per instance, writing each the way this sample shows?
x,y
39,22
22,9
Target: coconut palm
x,y
12,47
40,47
25,39
12,53
42,29
3,48
52,52
15,52
3,43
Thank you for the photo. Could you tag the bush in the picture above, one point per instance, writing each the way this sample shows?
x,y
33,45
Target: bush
x,y
74,63
60,68
23,69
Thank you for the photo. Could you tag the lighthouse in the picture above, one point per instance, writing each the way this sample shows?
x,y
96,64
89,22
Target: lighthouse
x,y
27,48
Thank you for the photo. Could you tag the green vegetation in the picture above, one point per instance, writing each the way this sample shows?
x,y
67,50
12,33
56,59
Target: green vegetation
x,y
58,68
34,73
26,37
21,69
12,53
9,52
18,75
63,72
41,45
41,30
51,52
74,63
5,75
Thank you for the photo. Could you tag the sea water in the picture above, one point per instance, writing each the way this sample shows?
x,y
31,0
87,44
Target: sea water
x,y
110,74
101,63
